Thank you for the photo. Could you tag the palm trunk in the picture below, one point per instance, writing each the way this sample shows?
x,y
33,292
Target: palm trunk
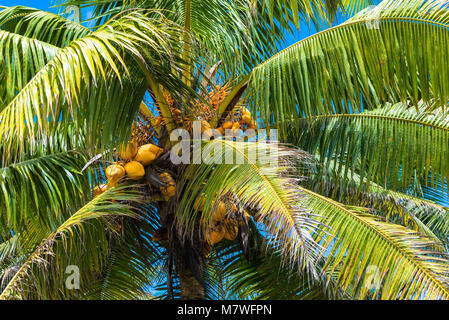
x,y
191,289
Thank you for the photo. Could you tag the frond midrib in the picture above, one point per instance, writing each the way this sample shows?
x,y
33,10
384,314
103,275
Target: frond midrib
x,y
375,116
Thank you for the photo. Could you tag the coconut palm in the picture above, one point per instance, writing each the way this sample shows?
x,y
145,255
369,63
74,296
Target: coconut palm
x,y
345,206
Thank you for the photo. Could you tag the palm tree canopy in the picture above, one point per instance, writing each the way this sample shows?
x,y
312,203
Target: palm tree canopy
x,y
360,108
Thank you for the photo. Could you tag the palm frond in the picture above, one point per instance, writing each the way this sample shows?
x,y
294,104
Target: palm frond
x,y
395,207
42,272
40,189
369,258
394,52
390,146
20,59
95,62
259,178
40,25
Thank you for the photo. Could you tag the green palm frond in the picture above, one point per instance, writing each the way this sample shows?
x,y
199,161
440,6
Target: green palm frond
x,y
260,177
363,251
41,188
240,33
395,52
20,59
132,265
351,7
223,30
95,62
49,251
264,276
389,146
395,207
42,26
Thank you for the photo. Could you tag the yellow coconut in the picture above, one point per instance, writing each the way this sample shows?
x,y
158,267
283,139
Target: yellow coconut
x,y
215,235
155,149
252,125
227,125
169,191
114,172
145,157
235,130
134,170
129,151
99,189
220,212
147,153
246,119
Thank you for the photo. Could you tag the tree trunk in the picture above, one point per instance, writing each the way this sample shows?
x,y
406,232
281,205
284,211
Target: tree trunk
x,y
191,289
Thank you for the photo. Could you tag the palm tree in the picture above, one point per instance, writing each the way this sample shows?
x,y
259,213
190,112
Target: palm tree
x,y
349,210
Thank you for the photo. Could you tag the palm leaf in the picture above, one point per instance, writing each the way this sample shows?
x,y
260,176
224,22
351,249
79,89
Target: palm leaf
x,y
34,188
67,236
95,62
389,146
358,243
42,26
395,52
260,180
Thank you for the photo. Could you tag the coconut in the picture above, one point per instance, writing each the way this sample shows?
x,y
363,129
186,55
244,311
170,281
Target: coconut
x,y
147,153
227,125
246,119
215,235
114,173
134,170
99,189
169,190
220,212
221,130
252,125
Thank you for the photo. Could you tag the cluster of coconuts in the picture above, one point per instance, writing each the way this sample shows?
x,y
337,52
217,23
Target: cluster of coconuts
x,y
236,121
242,120
134,161
223,225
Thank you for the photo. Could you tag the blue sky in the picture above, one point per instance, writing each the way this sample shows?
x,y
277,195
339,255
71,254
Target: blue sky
x,y
47,6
